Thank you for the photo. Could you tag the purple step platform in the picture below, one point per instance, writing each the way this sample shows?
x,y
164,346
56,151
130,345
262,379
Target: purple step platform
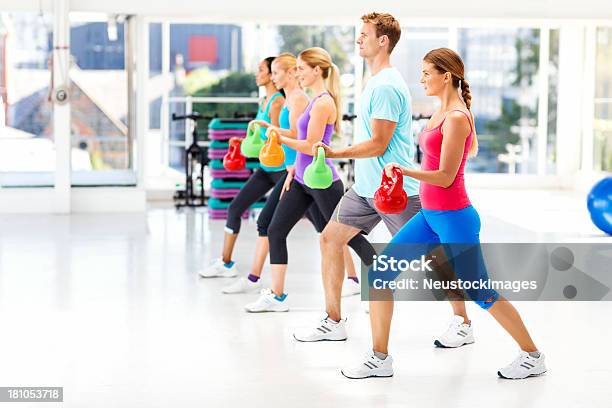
x,y
225,134
241,174
216,153
224,193
222,214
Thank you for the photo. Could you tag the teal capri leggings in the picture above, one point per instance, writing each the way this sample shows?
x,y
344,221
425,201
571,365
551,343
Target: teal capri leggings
x,y
429,227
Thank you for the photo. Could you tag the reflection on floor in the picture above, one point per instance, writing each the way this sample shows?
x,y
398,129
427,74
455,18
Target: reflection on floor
x,y
110,307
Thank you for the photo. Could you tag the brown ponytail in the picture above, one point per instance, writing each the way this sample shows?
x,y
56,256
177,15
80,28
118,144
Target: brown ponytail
x,y
447,60
466,94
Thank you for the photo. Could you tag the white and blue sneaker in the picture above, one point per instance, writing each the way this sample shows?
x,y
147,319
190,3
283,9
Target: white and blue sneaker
x,y
524,366
218,269
457,334
369,366
267,302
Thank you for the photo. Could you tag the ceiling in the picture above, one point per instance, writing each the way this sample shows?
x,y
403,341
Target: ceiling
x,y
335,12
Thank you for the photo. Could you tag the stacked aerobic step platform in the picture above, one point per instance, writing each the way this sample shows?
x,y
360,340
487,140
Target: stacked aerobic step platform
x,y
226,184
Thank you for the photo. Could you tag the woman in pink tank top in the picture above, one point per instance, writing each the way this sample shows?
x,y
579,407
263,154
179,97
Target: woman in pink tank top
x,y
447,217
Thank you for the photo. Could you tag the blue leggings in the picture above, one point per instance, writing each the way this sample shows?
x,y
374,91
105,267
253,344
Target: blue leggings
x,y
431,227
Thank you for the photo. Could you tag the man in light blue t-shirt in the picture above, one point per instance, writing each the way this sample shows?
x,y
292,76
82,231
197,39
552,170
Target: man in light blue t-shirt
x,y
385,98
382,135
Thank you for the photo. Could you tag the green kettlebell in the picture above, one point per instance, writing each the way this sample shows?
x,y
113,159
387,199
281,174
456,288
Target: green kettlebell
x,y
318,175
252,143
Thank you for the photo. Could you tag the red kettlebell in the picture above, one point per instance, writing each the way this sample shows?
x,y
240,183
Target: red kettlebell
x,y
234,160
390,198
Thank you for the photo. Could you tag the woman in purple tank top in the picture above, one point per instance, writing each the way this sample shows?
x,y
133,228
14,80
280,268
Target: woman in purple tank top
x,y
304,159
315,71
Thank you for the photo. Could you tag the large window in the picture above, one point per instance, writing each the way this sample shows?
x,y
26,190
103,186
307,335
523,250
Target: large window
x,y
408,58
101,142
502,67
602,144
189,62
553,90
27,151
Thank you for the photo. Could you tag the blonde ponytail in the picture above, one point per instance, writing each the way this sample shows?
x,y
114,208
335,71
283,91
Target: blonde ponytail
x,y
318,57
333,86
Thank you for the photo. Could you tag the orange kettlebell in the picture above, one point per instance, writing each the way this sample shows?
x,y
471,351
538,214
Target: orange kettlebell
x,y
272,154
233,159
390,198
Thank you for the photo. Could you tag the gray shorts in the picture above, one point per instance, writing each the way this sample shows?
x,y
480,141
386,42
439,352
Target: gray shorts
x,y
359,212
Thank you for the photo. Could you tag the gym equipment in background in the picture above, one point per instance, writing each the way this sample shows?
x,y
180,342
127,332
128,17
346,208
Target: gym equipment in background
x,y
318,175
390,198
194,156
347,166
218,207
272,154
599,203
419,122
226,184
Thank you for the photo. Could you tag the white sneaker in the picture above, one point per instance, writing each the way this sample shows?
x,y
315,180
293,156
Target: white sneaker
x,y
523,366
242,285
267,302
217,269
327,330
350,288
458,334
370,366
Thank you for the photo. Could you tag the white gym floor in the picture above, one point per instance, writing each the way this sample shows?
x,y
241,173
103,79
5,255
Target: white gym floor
x,y
111,308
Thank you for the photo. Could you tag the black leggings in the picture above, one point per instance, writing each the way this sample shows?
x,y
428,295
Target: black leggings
x,y
255,188
292,208
265,216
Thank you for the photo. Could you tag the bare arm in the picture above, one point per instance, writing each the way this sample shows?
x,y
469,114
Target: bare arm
x,y
456,129
386,103
274,112
297,106
382,131
296,109
321,112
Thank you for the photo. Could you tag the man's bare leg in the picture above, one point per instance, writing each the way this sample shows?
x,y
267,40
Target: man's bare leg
x,y
349,265
334,238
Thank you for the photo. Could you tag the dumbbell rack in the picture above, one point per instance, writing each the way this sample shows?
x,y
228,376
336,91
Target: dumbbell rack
x,y
225,185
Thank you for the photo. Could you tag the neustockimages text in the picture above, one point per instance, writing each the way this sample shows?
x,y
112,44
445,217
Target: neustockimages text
x,y
383,263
